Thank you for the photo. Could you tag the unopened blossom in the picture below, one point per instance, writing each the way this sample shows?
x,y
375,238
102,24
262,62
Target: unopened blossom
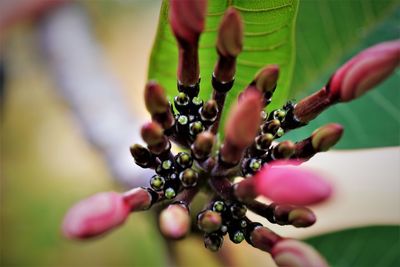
x,y
251,151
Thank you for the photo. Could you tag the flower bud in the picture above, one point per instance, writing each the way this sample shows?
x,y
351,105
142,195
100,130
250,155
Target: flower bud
x,y
290,185
213,242
271,126
301,217
326,136
241,127
230,34
142,156
96,215
202,145
263,238
293,253
187,22
183,160
187,18
152,133
155,99
209,221
264,141
174,221
266,80
195,128
283,150
364,71
209,112
188,178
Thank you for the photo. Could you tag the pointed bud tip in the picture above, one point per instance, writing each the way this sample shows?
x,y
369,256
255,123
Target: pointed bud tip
x,y
326,136
291,185
187,19
95,215
230,34
286,149
155,99
242,126
301,217
174,221
152,133
365,70
267,78
203,143
294,253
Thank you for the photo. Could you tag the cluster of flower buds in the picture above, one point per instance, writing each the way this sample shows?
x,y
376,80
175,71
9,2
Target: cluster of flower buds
x,y
250,149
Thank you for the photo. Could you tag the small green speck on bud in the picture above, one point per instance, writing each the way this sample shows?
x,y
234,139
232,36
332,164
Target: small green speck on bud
x,y
182,99
237,237
196,127
183,120
166,164
170,193
280,132
157,182
279,114
197,101
255,164
218,206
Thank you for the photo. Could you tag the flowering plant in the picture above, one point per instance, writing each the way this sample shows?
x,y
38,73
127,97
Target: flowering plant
x,y
249,149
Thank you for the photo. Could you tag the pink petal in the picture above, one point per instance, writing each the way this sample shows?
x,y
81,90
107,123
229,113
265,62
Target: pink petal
x,y
291,185
95,215
294,253
365,70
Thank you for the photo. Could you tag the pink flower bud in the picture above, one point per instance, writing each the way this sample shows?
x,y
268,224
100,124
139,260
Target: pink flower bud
x,y
293,253
267,78
152,133
365,70
291,185
230,34
155,99
95,215
174,221
244,121
187,18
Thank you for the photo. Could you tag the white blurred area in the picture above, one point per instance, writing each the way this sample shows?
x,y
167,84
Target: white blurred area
x,y
366,190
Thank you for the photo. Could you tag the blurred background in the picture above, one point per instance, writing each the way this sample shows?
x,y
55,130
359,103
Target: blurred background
x,y
47,163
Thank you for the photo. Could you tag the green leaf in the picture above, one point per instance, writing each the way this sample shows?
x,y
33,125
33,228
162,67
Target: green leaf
x,y
367,246
330,32
268,39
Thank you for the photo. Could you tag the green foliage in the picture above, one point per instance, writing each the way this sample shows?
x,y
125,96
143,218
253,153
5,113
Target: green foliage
x,y
359,247
268,39
330,32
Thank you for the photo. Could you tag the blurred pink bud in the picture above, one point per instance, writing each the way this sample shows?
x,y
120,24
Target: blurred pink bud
x,y
365,70
291,185
95,215
187,18
293,253
174,221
